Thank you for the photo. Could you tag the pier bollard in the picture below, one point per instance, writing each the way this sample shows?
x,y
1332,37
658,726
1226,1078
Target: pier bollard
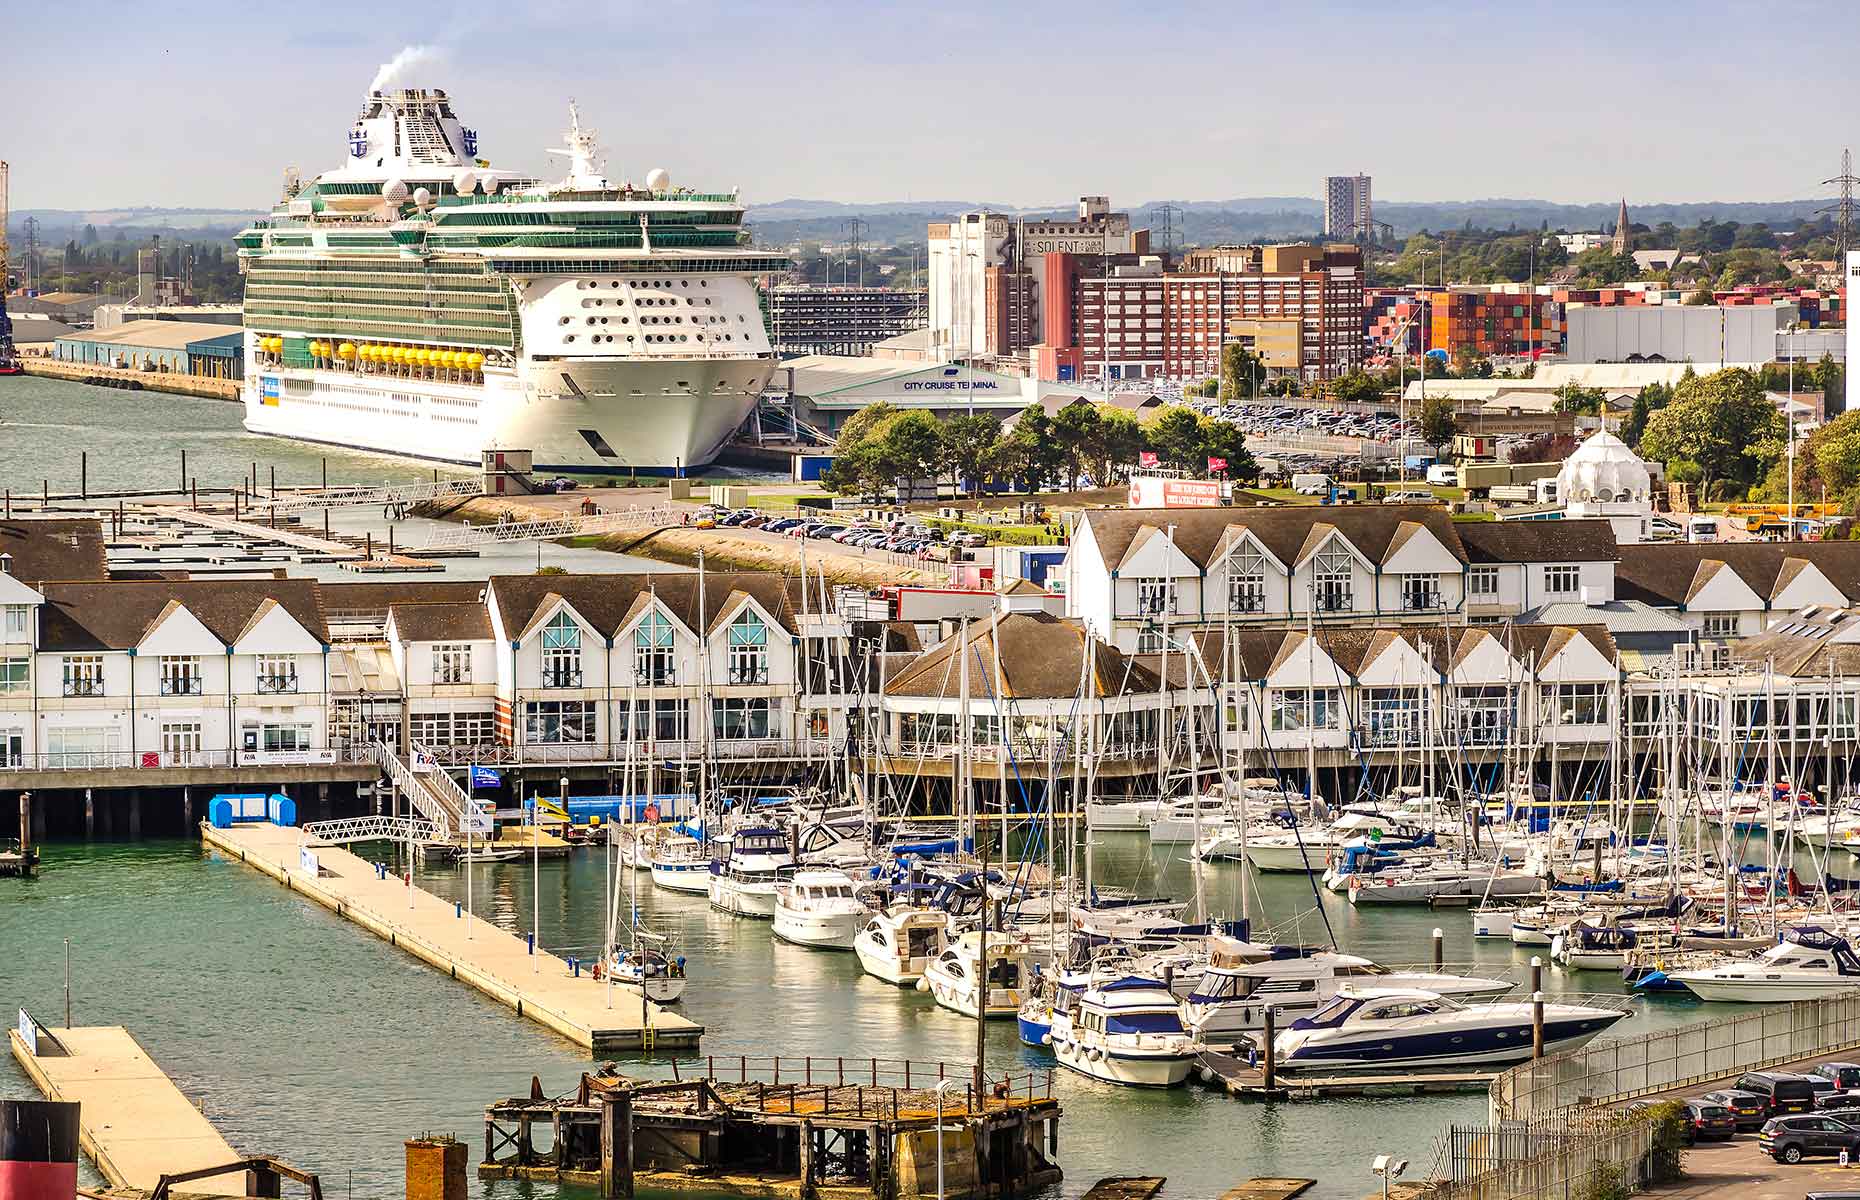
x,y
1440,948
532,937
458,909
38,1149
1537,974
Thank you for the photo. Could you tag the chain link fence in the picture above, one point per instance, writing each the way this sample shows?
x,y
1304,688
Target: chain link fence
x,y
1572,1154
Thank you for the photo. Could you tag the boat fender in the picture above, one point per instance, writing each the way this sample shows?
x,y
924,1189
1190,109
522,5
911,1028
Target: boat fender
x,y
923,985
1046,1039
1207,1076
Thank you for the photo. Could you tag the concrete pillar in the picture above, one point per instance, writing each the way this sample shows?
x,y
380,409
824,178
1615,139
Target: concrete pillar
x,y
25,821
436,1168
135,814
90,814
187,810
322,791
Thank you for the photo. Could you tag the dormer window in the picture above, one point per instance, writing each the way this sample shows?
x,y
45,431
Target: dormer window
x,y
653,658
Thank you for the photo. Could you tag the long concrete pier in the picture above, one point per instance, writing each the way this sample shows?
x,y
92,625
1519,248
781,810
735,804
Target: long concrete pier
x,y
539,986
133,1122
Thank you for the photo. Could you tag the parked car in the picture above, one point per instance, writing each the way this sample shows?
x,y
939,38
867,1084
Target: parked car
x,y
1845,1075
1747,1107
1410,496
1781,1092
1792,1139
1706,1121
1837,1100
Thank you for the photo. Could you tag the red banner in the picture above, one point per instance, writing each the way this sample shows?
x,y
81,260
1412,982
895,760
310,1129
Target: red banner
x,y
1146,458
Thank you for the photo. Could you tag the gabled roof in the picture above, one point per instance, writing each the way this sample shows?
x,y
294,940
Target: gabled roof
x,y
441,622
115,615
1041,658
607,601
1667,573
56,549
1590,540
1282,531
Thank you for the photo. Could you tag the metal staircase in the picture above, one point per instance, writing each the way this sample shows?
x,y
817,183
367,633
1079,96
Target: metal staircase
x,y
433,793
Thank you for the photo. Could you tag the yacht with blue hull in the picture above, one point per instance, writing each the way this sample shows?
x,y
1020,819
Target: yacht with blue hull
x,y
1404,1030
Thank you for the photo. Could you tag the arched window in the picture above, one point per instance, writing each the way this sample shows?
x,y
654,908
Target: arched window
x,y
749,648
653,658
561,652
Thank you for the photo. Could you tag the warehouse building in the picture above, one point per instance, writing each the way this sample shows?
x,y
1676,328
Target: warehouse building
x,y
176,347
1709,336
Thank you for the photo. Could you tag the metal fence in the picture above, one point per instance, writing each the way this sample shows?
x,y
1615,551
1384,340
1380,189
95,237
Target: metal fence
x,y
1571,1154
1606,1072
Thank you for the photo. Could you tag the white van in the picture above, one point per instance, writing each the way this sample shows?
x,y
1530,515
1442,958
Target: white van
x,y
1443,475
1312,484
1702,529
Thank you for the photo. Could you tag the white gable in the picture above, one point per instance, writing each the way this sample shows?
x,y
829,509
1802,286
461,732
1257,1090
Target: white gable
x,y
13,590
1158,557
1809,586
179,631
1576,661
548,614
1335,540
276,631
745,600
1422,553
1307,666
680,631
1486,664
1398,664
1725,591
1246,542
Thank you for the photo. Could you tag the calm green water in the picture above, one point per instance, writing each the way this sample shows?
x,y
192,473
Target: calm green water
x,y
303,1036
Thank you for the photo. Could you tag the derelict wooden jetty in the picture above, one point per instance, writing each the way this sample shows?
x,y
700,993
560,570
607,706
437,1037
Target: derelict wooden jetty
x,y
791,1128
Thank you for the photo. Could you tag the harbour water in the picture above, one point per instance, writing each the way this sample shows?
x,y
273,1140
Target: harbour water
x,y
305,1037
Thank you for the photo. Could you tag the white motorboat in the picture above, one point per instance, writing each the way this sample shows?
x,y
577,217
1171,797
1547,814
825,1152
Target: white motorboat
x,y
742,882
953,977
897,944
661,974
1807,963
1122,816
1418,885
1490,922
489,854
1586,946
818,907
1189,819
1125,1030
1242,979
1405,1029
681,864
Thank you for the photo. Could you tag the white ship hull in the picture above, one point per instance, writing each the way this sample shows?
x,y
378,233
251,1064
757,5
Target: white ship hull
x,y
692,877
741,899
823,931
654,416
1159,1069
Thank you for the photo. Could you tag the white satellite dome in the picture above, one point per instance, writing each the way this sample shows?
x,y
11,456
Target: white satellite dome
x,y
464,183
489,183
422,198
658,180
394,191
1603,470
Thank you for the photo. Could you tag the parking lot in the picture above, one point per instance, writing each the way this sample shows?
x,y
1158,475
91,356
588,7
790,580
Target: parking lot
x,y
1721,1170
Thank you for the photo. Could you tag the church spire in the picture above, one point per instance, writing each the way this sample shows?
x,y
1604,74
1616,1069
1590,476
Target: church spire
x,y
1624,237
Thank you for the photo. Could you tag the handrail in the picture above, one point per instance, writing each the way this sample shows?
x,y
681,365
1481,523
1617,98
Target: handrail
x,y
423,800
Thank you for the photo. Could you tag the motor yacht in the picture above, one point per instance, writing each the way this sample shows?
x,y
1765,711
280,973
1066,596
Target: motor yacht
x,y
1807,963
953,976
898,943
680,863
1406,1029
1585,946
1419,884
818,907
742,882
1243,979
1122,816
1125,1030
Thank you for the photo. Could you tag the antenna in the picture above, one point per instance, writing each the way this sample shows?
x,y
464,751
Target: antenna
x,y
856,226
31,280
1843,209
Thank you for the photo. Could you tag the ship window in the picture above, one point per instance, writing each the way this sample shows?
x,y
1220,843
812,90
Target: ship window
x,y
568,337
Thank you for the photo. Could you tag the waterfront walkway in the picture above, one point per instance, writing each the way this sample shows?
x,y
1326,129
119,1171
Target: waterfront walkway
x,y
133,1122
593,1014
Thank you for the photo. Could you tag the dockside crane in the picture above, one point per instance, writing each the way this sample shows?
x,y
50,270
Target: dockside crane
x,y
9,359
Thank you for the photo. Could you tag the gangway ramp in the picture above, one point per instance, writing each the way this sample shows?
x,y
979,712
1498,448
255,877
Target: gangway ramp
x,y
458,537
432,793
396,497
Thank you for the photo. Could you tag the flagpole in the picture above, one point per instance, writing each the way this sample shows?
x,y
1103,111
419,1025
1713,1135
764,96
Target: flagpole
x,y
471,818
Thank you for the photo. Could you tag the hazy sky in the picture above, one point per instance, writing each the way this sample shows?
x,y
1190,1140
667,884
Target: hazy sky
x,y
199,104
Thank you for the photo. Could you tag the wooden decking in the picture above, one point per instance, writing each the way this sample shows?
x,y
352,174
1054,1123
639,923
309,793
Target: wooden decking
x,y
134,1123
539,986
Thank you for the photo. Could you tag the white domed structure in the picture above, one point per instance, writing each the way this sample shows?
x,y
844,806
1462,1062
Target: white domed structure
x,y
1604,478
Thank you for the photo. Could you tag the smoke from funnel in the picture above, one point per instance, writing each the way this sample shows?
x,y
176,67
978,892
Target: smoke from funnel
x,y
394,68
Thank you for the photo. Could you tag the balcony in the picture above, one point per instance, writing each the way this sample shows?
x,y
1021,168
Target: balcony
x,y
83,687
1247,602
1415,602
560,677
1335,602
752,673
278,685
656,676
179,685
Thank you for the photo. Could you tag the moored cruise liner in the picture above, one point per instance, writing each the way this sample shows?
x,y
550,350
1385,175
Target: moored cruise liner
x,y
418,302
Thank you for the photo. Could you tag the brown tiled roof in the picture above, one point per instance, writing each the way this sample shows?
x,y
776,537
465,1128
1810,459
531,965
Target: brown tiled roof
x,y
1041,658
1663,573
442,622
378,595
607,601
1538,541
55,549
1371,528
1257,652
117,614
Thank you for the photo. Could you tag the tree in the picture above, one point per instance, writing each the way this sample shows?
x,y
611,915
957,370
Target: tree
x,y
1223,439
1437,420
971,446
1075,429
1031,452
1574,398
1831,378
1468,363
912,446
1724,423
1544,448
1240,368
1120,440
1356,387
1637,420
1175,436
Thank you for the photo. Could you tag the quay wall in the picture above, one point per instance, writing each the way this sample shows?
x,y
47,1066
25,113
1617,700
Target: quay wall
x,y
118,377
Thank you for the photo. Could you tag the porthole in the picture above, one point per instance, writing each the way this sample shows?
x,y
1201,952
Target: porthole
x,y
569,338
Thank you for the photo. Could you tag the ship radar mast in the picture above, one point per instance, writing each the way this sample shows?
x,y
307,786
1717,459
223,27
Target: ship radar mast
x,y
584,164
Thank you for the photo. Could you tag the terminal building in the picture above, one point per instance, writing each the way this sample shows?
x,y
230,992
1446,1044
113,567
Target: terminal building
x,y
172,347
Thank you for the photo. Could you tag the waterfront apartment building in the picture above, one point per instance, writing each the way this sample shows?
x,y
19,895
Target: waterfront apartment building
x,y
1348,213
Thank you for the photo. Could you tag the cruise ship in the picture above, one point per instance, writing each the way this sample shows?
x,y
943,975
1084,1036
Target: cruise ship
x,y
417,301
